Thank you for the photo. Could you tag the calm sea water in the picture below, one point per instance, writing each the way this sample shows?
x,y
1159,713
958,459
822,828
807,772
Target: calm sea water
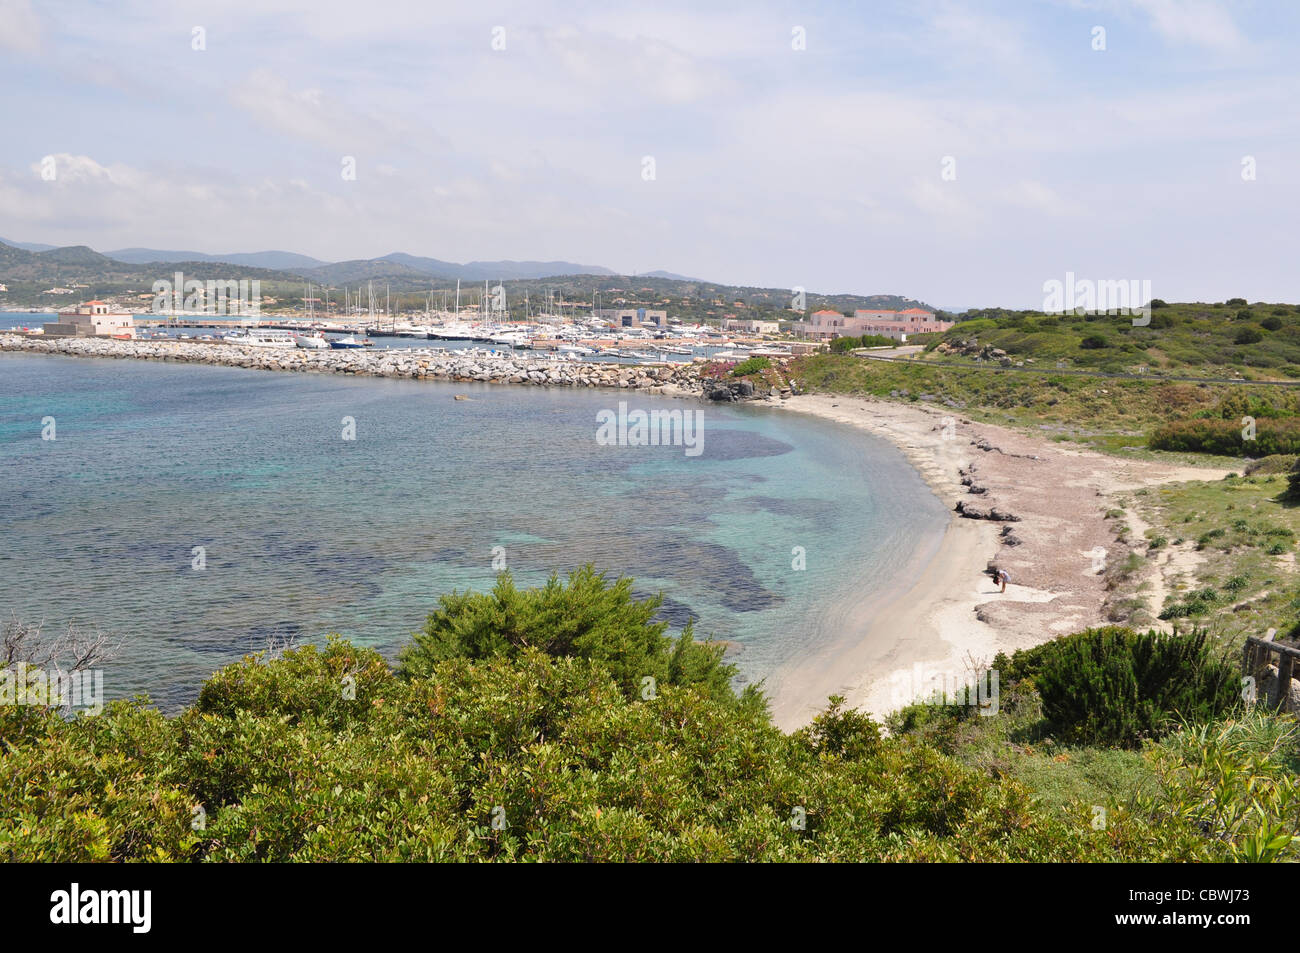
x,y
306,533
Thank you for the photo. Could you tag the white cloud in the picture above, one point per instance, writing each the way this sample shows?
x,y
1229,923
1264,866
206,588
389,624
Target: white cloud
x,y
634,68
20,28
1204,23
73,169
1038,197
311,114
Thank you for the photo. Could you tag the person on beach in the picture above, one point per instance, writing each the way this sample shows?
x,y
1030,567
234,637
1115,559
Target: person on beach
x,y
1003,577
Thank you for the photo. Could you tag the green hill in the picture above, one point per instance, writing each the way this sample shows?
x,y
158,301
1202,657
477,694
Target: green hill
x,y
1256,341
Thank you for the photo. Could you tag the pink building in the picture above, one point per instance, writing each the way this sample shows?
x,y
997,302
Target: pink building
x,y
827,325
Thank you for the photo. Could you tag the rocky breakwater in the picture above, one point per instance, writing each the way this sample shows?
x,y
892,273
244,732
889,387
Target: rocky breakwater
x,y
415,363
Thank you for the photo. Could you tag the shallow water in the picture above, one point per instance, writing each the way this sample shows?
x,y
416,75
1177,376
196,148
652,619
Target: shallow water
x,y
305,533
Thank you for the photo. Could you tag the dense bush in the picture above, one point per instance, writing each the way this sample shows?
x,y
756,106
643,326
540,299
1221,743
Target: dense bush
x,y
840,345
587,617
512,733
750,366
1265,466
1292,492
512,758
1204,435
1115,686
1236,781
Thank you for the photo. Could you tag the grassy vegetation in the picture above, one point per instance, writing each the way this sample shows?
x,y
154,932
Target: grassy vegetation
x,y
1258,341
1009,368
1229,545
1108,415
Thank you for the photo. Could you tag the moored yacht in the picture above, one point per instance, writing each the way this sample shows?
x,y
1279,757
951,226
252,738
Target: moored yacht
x,y
261,337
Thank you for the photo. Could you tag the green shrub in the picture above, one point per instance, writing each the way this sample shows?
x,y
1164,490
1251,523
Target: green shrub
x,y
1273,463
1236,782
752,366
586,618
1224,437
1114,686
551,748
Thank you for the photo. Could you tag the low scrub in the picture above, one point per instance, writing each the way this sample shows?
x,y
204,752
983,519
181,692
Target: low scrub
x,y
1114,686
1226,437
750,366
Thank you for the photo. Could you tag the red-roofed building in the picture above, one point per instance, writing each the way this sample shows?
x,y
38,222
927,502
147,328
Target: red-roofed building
x,y
828,325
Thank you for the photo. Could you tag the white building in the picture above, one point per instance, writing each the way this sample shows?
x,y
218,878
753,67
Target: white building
x,y
752,327
92,319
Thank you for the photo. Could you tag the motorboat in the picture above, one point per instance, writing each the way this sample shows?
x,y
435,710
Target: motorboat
x,y
261,337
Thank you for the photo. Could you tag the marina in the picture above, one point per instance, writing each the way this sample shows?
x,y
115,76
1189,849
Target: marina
x,y
582,341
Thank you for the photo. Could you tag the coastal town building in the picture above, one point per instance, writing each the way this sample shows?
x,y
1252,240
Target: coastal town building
x,y
631,317
752,326
827,325
92,319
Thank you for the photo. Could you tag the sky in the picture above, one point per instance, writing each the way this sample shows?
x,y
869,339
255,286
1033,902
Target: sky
x,y
961,152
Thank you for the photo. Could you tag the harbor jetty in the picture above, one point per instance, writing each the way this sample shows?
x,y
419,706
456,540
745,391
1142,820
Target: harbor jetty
x,y
439,364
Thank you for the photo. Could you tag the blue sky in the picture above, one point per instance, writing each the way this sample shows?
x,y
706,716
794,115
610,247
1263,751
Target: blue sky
x,y
819,167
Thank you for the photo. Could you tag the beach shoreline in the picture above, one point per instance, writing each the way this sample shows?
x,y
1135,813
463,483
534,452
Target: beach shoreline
x,y
1034,507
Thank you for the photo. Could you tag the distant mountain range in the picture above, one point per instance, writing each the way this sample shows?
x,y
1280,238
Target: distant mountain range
x,y
398,264
31,270
277,260
28,246
666,274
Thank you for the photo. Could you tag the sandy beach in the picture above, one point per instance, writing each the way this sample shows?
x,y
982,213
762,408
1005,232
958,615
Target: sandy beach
x,y
1048,502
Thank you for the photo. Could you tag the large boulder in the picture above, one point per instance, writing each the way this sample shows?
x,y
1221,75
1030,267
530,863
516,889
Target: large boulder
x,y
1269,691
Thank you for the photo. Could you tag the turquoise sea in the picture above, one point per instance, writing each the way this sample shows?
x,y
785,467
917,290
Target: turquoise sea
x,y
305,533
